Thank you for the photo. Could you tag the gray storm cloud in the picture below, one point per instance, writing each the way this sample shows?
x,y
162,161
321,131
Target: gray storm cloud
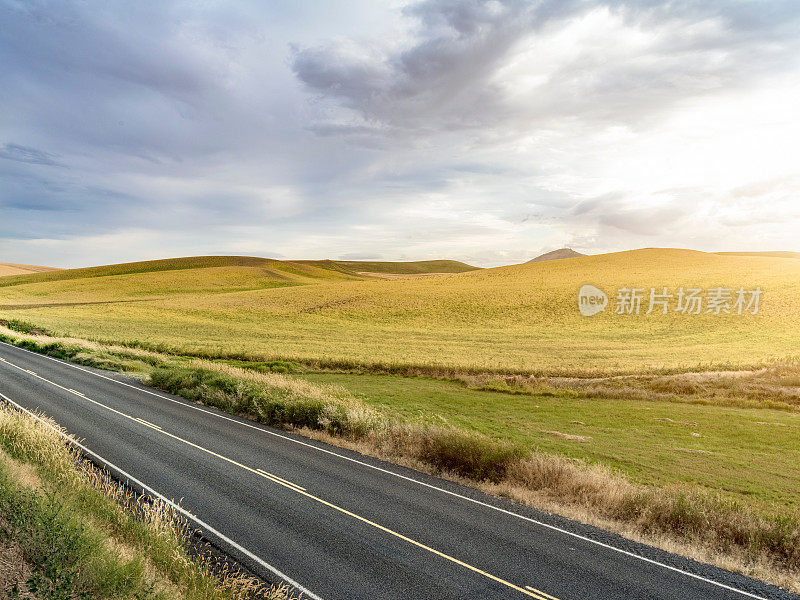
x,y
451,75
484,131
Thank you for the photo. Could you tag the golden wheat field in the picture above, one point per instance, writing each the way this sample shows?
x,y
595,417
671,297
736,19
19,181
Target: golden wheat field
x,y
518,318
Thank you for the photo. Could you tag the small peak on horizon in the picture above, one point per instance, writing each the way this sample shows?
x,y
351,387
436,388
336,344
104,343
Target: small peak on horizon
x,y
557,255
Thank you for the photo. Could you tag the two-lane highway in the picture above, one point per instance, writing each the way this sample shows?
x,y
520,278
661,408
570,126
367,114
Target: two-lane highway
x,y
338,525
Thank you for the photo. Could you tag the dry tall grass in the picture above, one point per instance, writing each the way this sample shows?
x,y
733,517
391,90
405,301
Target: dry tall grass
x,y
775,385
79,532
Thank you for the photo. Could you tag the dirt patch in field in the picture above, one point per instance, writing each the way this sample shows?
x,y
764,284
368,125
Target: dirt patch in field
x,y
570,436
668,420
332,304
15,269
59,304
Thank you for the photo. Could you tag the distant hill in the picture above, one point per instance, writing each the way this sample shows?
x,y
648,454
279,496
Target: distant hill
x,y
775,254
557,254
15,269
240,272
419,267
233,272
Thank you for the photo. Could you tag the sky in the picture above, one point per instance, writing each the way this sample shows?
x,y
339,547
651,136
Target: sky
x,y
483,131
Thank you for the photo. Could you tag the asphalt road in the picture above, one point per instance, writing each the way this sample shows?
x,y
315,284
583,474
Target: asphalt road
x,y
339,525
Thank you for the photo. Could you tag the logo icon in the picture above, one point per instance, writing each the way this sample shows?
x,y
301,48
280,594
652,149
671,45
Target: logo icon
x,y
591,300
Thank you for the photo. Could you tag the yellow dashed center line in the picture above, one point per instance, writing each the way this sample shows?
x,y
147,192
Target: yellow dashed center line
x,y
541,593
527,590
143,422
280,480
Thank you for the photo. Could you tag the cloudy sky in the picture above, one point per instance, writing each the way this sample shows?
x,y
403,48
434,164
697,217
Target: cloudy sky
x,y
483,131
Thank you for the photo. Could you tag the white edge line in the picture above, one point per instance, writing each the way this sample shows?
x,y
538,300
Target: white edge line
x,y
205,526
406,478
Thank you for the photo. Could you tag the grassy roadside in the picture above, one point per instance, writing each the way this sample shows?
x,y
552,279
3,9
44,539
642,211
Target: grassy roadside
x,y
761,539
746,454
68,531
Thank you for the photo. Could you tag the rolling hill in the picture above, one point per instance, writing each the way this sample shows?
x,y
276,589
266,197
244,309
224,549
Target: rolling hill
x,y
15,269
262,269
258,269
774,254
519,318
420,267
